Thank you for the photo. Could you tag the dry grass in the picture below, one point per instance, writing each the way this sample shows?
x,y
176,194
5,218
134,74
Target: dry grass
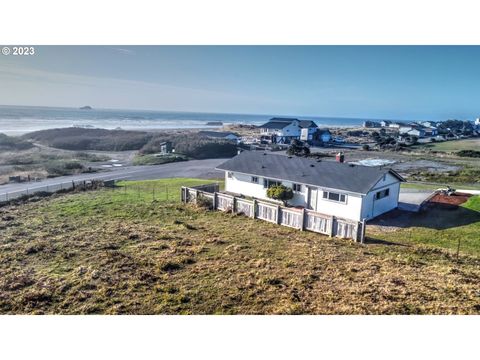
x,y
122,253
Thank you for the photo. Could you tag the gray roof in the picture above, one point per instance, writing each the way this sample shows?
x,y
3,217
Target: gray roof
x,y
327,174
280,123
274,125
307,124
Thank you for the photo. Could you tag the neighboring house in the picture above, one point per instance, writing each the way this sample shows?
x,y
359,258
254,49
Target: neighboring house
x,y
220,135
404,129
429,124
395,125
385,123
166,147
318,136
418,132
430,131
371,124
284,130
345,190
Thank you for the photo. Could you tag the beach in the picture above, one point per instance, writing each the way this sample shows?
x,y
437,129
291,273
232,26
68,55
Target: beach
x,y
18,120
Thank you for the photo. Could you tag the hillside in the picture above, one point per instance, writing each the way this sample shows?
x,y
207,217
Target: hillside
x,y
138,250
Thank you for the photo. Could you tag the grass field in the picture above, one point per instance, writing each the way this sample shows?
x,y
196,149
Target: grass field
x,y
454,145
437,227
138,250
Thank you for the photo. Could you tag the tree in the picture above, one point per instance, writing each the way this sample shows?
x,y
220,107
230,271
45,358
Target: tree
x,y
280,192
298,148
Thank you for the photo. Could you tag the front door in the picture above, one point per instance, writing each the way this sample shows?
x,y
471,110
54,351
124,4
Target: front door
x,y
312,198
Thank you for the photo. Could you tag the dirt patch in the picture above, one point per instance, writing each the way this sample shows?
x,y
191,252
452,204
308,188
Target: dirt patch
x,y
452,201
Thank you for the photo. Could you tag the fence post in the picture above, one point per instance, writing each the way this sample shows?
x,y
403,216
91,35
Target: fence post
x,y
196,196
254,210
362,232
234,205
302,220
278,214
332,224
214,201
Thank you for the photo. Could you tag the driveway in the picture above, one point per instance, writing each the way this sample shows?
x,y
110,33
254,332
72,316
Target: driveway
x,y
412,199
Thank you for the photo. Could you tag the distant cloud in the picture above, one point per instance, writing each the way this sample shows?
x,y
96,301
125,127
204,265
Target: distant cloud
x,y
125,51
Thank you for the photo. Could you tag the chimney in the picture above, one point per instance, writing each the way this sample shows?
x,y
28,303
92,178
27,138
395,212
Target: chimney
x,y
340,157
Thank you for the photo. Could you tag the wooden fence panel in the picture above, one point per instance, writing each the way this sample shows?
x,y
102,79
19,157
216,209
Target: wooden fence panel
x,y
291,218
299,219
320,224
244,207
267,212
224,203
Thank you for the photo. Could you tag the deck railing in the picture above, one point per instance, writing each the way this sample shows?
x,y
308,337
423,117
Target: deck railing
x,y
302,219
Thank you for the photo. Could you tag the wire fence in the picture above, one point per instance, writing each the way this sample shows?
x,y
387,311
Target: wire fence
x,y
53,188
132,192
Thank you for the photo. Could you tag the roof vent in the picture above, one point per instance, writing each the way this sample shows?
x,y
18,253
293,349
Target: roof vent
x,y
264,153
263,166
351,165
289,157
311,165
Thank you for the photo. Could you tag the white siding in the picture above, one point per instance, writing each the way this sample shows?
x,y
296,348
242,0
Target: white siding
x,y
357,207
372,207
242,184
291,130
351,209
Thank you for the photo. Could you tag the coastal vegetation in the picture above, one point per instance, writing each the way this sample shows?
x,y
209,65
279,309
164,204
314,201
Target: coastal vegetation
x,y
76,138
151,159
189,144
11,143
137,250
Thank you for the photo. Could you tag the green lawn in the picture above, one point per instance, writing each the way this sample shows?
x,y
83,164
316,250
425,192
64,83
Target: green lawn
x,y
454,145
138,250
149,159
438,227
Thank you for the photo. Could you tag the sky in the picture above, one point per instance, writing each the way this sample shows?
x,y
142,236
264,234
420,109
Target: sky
x,y
391,82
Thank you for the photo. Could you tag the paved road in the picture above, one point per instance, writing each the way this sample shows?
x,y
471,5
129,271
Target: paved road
x,y
204,169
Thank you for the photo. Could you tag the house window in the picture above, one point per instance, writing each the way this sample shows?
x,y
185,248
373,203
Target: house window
x,y
255,179
382,194
267,183
333,196
230,175
297,187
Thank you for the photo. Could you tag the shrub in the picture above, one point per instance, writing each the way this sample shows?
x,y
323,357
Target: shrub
x,y
469,153
280,192
298,148
366,147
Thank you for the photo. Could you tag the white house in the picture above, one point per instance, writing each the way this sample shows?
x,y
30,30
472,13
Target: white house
x,y
284,130
345,190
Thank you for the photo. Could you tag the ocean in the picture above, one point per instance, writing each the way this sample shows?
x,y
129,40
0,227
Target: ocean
x,y
17,120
